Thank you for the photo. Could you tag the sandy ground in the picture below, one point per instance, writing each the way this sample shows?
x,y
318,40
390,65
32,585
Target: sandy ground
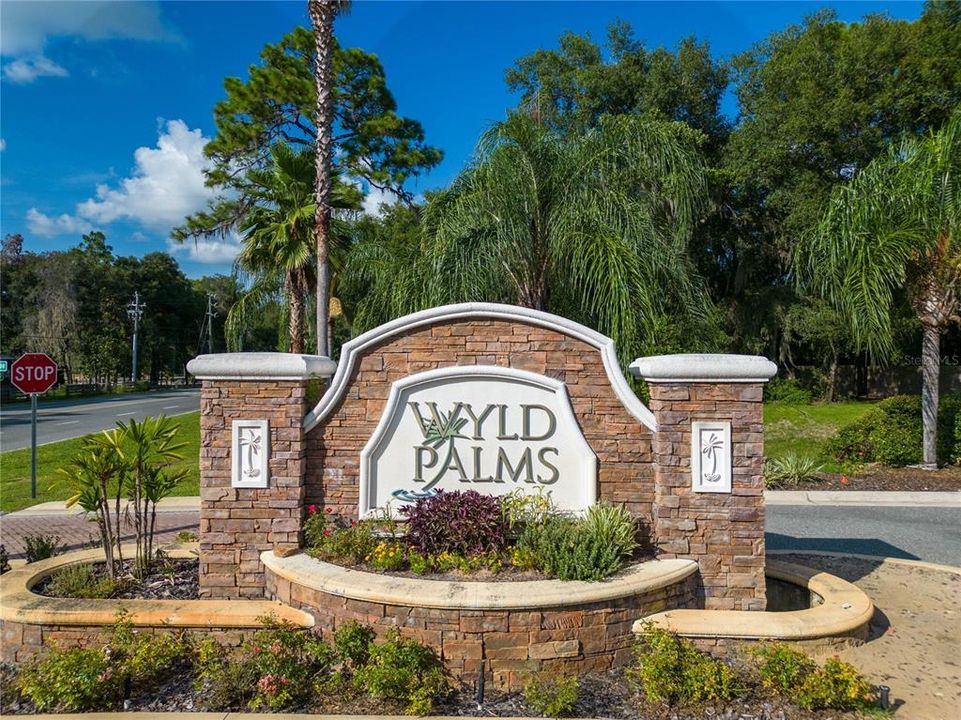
x,y
915,642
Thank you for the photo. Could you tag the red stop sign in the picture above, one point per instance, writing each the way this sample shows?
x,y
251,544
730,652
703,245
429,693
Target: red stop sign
x,y
33,373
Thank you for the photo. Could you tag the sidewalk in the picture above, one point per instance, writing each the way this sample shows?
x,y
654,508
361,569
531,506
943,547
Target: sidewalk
x,y
860,497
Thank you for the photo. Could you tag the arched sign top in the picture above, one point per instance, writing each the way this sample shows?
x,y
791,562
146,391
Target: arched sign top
x,y
487,428
353,349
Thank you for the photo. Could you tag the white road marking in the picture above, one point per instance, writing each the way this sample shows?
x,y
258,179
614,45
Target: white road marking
x,y
128,413
170,407
69,422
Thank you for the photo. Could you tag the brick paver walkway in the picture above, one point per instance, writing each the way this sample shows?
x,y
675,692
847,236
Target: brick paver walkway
x,y
77,532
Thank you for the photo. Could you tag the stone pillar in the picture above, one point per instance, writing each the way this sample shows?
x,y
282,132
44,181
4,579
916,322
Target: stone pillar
x,y
712,509
251,482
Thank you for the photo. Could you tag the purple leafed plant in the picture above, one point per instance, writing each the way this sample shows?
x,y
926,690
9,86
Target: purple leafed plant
x,y
463,522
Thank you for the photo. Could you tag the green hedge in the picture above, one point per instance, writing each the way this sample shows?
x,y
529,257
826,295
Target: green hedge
x,y
891,433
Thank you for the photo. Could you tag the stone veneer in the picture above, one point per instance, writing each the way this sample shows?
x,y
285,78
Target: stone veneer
x,y
620,442
506,643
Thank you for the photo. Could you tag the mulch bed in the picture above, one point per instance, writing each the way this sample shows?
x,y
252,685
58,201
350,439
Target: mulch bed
x,y
169,580
880,478
602,695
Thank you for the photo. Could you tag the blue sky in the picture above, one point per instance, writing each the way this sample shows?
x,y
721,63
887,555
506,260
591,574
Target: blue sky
x,y
105,106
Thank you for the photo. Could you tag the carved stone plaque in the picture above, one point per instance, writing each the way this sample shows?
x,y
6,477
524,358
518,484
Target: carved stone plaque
x,y
249,452
711,457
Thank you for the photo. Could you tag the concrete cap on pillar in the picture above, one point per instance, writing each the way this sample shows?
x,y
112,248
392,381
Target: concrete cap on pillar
x,y
704,368
260,366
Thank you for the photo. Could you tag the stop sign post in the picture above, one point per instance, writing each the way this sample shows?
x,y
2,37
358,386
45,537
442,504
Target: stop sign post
x,y
33,374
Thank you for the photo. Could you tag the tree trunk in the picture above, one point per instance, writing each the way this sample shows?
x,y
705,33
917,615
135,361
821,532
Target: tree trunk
x,y
930,369
832,377
322,18
295,305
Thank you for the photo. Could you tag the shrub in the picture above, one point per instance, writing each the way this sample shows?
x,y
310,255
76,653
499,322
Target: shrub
x,y
419,564
140,658
41,547
462,522
81,581
613,525
387,556
787,391
891,433
74,679
568,549
670,669
521,509
447,562
554,697
782,668
838,686
275,669
4,560
352,643
791,469
402,669
348,545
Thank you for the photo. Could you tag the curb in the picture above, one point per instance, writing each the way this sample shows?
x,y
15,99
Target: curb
x,y
880,498
920,564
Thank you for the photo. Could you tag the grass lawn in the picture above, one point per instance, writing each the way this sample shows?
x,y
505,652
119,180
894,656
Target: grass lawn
x,y
15,468
803,429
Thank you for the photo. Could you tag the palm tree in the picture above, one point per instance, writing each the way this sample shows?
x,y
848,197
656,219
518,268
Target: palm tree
x,y
595,227
322,19
896,225
278,247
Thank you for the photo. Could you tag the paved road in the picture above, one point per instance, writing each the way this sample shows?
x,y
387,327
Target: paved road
x,y
920,533
65,419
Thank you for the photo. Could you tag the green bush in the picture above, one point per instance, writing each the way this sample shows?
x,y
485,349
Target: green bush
x,y
142,657
612,525
891,433
352,643
349,546
837,686
670,669
41,547
782,668
553,697
276,669
791,469
4,560
402,669
568,549
74,679
81,581
787,391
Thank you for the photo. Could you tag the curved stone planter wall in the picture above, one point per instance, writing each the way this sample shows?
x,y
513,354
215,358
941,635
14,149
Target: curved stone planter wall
x,y
29,621
506,628
842,617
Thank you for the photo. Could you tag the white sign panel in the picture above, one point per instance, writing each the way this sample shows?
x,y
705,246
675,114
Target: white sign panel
x,y
711,457
484,428
249,453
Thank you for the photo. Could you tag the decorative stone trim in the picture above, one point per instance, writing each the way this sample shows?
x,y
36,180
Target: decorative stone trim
x,y
704,367
19,604
344,582
260,366
846,611
352,349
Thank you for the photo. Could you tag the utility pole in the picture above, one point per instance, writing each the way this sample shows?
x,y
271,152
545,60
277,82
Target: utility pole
x,y
210,323
135,311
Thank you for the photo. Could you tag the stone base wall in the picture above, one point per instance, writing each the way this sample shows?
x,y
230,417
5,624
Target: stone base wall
x,y
507,644
22,642
724,533
236,525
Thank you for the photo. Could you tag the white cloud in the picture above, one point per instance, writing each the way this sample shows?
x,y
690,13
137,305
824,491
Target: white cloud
x,y
26,27
3,144
166,185
207,251
375,198
25,71
47,226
